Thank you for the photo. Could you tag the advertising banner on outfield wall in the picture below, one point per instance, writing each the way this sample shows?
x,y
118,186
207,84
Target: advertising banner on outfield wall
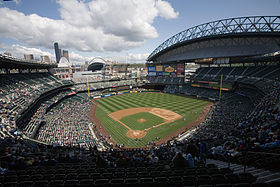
x,y
180,70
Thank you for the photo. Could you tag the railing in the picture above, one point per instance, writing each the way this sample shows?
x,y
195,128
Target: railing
x,y
227,157
252,152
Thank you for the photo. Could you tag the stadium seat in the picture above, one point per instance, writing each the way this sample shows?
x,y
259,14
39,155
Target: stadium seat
x,y
202,171
214,171
10,178
219,179
131,175
242,185
26,183
41,183
131,181
203,180
211,166
117,182
259,185
179,172
37,177
155,173
143,174
225,170
86,182
48,176
119,174
232,178
101,182
10,184
161,180
175,180
21,172
71,183
59,177
147,181
246,177
107,175
56,183
24,177
224,185
83,176
274,184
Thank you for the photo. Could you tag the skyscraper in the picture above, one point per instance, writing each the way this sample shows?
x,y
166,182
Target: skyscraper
x,y
57,52
65,54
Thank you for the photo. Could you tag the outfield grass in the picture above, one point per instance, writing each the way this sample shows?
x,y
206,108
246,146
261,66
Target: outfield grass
x,y
189,108
132,120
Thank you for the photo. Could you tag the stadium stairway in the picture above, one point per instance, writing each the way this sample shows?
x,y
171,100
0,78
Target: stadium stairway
x,y
263,176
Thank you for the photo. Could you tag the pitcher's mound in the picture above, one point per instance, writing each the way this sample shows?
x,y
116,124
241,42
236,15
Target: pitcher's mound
x,y
141,120
135,134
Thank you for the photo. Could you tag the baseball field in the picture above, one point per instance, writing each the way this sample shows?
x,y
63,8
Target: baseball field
x,y
137,119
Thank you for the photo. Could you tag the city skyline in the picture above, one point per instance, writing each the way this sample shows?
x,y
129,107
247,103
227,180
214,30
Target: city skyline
x,y
100,28
60,53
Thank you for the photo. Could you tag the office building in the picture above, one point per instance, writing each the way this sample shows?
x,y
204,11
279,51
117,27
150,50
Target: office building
x,y
65,54
57,52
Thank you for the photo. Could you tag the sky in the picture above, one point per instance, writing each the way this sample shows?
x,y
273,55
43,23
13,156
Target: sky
x,y
116,30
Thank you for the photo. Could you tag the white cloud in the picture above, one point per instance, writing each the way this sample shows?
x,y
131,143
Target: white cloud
x,y
166,10
18,51
77,58
97,25
131,58
17,1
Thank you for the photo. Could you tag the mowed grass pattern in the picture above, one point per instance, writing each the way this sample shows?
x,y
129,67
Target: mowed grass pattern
x,y
189,108
132,120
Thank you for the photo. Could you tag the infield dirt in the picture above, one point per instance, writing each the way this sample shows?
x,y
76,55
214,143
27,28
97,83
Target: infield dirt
x,y
167,115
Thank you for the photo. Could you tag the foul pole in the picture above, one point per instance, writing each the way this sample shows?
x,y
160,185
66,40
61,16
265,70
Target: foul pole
x,y
221,84
88,87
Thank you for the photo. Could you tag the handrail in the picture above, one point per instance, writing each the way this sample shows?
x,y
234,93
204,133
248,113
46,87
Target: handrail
x,y
228,158
264,153
253,152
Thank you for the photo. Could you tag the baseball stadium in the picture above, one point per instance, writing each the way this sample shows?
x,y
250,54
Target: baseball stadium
x,y
203,110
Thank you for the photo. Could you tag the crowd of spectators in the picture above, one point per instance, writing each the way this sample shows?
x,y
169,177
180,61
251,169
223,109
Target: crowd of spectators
x,y
165,80
18,153
196,92
67,124
237,125
30,123
17,92
102,84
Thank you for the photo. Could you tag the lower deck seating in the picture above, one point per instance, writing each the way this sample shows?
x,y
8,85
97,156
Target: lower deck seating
x,y
87,174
